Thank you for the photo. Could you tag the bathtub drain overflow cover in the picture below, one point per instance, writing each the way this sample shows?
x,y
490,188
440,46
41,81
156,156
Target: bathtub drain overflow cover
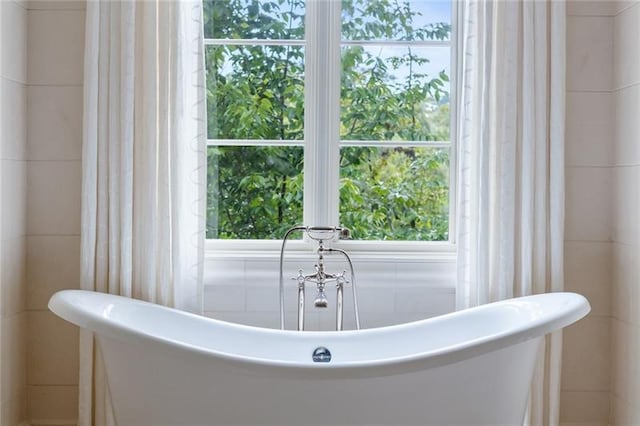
x,y
321,354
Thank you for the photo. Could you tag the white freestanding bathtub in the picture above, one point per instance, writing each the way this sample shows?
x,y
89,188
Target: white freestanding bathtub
x,y
167,367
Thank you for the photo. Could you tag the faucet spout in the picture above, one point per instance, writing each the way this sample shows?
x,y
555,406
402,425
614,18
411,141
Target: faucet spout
x,y
321,299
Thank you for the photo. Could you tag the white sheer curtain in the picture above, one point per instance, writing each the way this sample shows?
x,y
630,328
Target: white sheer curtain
x,y
510,214
144,157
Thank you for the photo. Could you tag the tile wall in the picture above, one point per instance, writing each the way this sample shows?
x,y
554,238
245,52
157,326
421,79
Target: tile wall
x,y
389,291
54,149
625,323
13,165
588,248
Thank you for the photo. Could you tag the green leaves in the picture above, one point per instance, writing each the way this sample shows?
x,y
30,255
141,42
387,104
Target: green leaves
x,y
395,193
390,93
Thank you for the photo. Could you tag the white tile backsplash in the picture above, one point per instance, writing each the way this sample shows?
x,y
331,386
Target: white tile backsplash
x,y
53,350
389,292
591,8
588,209
626,53
13,27
224,298
581,407
589,121
53,197
14,198
588,269
53,402
13,120
586,355
55,123
53,264
590,55
13,276
625,227
56,47
626,128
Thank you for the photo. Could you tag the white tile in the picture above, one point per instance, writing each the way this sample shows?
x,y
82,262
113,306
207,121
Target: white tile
x,y
52,350
589,53
47,403
224,298
591,8
584,407
224,272
14,410
621,5
55,123
56,47
53,264
13,120
626,128
586,355
588,272
13,194
588,203
626,204
56,4
264,272
623,367
375,300
622,276
53,197
13,33
264,299
13,347
622,412
12,274
380,274
375,320
589,128
435,275
413,300
626,55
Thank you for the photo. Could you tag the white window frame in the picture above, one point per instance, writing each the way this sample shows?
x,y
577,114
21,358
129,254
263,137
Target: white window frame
x,y
322,144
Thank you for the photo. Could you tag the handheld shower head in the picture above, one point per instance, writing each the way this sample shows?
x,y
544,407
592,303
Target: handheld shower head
x,y
327,233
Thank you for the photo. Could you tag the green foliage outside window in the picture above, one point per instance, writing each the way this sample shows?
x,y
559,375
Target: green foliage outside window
x,y
388,94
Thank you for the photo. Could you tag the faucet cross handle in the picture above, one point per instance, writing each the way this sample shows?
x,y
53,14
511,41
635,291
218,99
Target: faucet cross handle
x,y
341,280
300,278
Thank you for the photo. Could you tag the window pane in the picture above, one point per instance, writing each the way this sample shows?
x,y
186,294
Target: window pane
x,y
395,193
255,92
395,93
396,20
254,19
253,192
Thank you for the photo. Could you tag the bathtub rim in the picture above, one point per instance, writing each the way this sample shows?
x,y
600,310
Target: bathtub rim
x,y
575,307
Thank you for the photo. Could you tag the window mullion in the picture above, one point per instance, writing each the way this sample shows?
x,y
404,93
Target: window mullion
x,y
322,112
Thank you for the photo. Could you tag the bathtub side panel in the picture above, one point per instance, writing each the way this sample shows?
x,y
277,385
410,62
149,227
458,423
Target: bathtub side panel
x,y
158,387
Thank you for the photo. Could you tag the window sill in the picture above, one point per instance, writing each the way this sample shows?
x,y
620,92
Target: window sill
x,y
362,251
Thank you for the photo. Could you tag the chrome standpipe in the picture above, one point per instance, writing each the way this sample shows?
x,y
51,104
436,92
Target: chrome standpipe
x,y
320,278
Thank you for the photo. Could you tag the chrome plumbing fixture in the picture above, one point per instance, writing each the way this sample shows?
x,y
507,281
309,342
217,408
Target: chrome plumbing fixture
x,y
320,277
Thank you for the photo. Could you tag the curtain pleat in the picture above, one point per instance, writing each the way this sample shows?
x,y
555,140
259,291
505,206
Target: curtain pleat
x,y
510,215
144,156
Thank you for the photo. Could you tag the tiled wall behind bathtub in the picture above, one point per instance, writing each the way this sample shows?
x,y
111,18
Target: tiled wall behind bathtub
x,y
625,370
13,143
54,118
589,147
389,292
